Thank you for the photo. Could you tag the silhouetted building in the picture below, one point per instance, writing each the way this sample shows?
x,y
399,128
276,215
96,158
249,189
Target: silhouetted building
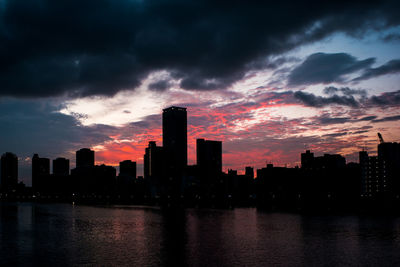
x,y
153,168
327,161
331,161
324,180
389,159
127,177
372,182
9,171
209,157
232,172
279,186
61,166
84,158
175,147
84,175
352,180
191,183
40,173
307,160
209,165
127,167
92,179
153,160
104,180
175,138
249,172
99,180
240,187
60,181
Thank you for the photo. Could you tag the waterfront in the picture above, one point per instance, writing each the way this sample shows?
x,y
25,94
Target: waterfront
x,y
34,234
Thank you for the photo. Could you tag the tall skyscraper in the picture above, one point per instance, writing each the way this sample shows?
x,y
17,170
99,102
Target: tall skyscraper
x,y
84,158
9,171
61,166
175,141
40,172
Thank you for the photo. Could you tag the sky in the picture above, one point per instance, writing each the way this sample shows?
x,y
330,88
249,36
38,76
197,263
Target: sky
x,y
268,79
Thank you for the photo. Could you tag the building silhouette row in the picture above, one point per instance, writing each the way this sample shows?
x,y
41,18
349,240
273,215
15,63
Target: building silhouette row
x,y
324,180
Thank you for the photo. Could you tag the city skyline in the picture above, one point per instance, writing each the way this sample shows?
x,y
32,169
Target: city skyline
x,y
168,179
141,165
175,138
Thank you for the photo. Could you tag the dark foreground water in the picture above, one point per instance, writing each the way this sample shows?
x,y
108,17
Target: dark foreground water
x,y
67,235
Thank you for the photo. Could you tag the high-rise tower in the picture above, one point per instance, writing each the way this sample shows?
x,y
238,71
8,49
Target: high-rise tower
x,y
175,140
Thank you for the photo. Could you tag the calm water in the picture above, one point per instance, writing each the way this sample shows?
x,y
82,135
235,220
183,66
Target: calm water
x,y
67,235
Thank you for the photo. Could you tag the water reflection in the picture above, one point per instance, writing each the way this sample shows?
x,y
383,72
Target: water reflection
x,y
174,237
9,234
67,235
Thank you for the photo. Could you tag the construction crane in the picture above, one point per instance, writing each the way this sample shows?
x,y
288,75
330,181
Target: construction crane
x,y
380,138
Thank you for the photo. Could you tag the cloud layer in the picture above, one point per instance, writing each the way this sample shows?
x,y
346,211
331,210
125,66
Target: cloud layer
x,y
100,47
326,68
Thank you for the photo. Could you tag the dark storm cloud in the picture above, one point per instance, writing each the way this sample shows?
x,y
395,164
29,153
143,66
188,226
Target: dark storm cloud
x,y
50,48
326,68
312,100
391,67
